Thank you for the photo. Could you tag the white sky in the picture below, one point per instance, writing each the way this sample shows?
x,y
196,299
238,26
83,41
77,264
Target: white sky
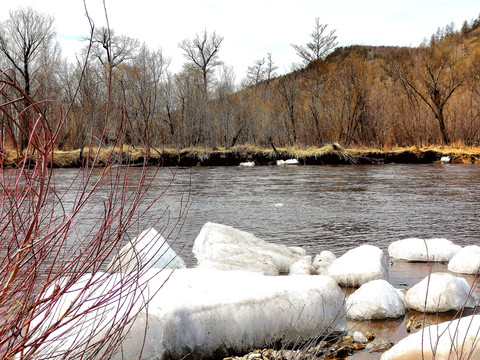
x,y
252,28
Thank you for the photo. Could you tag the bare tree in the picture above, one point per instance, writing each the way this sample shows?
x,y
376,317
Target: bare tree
x,y
262,71
256,73
192,107
110,49
289,92
320,45
26,34
203,53
141,82
270,70
433,74
169,106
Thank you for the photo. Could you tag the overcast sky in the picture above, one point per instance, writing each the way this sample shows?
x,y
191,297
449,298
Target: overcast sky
x,y
252,28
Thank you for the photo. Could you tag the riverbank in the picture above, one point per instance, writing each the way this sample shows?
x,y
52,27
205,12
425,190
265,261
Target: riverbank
x,y
327,155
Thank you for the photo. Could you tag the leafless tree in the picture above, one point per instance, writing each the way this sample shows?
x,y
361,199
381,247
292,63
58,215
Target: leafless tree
x,y
433,75
140,82
256,72
270,70
110,49
289,93
319,47
193,109
203,53
169,106
23,37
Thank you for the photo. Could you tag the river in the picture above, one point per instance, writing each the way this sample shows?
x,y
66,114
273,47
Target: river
x,y
319,208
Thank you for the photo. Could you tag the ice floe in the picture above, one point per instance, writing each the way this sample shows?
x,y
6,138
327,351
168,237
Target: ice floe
x,y
457,339
202,313
92,307
358,266
415,249
322,260
303,267
375,300
257,263
147,250
466,261
443,292
226,245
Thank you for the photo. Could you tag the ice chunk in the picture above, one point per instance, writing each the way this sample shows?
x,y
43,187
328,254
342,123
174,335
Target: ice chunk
x,y
303,267
147,250
376,300
359,337
202,313
90,307
322,260
466,261
247,164
415,249
358,266
449,340
299,250
254,263
221,242
445,292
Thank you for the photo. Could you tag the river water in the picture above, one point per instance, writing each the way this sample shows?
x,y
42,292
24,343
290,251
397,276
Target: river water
x,y
332,208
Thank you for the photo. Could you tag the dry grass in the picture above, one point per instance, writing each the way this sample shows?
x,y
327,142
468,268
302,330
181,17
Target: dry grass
x,y
71,158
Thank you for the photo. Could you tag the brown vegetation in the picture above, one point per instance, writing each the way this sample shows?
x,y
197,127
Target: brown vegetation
x,y
326,155
360,96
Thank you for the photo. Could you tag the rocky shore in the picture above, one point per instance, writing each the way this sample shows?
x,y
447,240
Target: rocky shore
x,y
332,348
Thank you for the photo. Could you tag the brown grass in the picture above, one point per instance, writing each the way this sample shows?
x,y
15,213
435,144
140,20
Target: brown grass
x,y
133,155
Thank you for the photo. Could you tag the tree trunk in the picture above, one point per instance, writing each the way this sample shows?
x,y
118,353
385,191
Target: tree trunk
x,y
443,130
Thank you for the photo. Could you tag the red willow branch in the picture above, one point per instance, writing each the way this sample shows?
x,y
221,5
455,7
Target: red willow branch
x,y
43,258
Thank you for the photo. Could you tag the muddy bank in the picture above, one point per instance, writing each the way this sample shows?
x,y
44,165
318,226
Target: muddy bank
x,y
327,155
322,156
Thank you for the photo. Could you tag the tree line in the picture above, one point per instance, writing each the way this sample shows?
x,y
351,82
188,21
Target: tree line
x,y
356,96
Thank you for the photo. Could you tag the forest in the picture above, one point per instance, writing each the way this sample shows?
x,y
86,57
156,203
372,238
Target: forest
x,y
358,96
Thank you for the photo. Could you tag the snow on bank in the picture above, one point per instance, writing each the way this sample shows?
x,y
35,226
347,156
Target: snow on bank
x,y
288,162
